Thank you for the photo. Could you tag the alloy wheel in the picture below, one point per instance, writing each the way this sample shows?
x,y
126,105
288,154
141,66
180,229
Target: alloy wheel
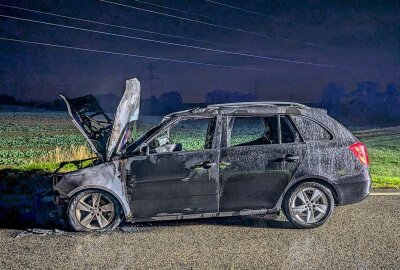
x,y
95,211
309,205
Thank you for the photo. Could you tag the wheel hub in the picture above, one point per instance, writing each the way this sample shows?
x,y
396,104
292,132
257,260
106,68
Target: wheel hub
x,y
309,205
95,211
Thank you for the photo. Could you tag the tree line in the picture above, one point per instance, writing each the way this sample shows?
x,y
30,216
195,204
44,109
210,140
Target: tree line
x,y
365,104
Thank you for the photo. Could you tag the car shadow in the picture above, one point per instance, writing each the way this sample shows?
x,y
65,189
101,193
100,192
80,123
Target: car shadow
x,y
26,200
261,221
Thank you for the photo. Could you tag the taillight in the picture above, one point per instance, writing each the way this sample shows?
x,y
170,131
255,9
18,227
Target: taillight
x,y
360,151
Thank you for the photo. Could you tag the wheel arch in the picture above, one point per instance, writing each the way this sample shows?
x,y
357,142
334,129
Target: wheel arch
x,y
310,178
106,176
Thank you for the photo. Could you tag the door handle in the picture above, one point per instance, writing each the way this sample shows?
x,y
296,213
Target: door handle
x,y
291,158
288,158
203,165
280,159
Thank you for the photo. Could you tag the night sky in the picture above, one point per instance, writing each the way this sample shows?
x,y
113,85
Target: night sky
x,y
356,40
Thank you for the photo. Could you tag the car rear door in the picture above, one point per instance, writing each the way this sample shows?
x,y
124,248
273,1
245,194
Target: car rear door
x,y
254,171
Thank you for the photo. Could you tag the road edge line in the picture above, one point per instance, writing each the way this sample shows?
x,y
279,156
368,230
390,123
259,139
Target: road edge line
x,y
385,193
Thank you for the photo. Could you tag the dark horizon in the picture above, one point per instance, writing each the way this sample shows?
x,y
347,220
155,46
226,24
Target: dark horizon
x,y
356,41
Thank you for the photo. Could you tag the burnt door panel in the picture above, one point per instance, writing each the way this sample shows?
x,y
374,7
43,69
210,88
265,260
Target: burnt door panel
x,y
254,177
173,183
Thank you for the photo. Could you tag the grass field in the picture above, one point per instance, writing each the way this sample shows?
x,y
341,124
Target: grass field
x,y
384,154
42,140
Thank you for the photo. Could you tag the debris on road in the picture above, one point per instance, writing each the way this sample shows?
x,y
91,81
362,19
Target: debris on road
x,y
40,232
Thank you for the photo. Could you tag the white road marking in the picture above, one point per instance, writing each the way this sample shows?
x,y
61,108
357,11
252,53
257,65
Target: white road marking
x,y
385,194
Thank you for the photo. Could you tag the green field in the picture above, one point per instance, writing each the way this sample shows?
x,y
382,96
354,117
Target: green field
x,y
384,154
41,140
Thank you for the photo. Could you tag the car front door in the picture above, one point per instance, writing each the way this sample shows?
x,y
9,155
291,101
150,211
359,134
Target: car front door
x,y
258,160
166,185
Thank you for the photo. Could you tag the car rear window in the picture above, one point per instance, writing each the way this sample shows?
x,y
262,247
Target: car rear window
x,y
253,131
311,130
259,130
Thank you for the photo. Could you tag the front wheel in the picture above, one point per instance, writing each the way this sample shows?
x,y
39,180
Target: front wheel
x,y
94,210
309,205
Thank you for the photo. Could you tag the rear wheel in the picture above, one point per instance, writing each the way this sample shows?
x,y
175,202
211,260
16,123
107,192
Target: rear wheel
x,y
309,205
94,210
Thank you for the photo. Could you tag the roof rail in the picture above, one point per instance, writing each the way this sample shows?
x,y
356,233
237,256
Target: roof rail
x,y
261,103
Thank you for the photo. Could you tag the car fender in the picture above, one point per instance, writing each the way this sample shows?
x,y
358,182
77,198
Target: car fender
x,y
109,177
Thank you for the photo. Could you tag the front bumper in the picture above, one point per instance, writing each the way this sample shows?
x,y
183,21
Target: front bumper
x,y
353,189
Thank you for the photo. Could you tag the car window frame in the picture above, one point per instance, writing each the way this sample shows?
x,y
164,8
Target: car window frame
x,y
176,121
295,129
333,136
225,130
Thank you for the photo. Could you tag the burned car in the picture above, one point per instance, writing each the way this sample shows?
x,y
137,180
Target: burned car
x,y
214,161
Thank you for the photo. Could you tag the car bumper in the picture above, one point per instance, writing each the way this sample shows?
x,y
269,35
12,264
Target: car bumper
x,y
354,188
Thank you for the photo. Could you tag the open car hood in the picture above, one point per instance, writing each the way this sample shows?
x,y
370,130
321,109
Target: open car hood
x,y
105,136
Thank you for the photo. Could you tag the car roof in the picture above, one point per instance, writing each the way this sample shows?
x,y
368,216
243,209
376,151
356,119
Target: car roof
x,y
247,108
257,104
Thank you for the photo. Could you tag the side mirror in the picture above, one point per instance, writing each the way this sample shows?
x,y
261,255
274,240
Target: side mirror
x,y
163,141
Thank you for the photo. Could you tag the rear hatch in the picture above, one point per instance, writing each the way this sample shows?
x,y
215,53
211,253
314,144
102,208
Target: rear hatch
x,y
105,136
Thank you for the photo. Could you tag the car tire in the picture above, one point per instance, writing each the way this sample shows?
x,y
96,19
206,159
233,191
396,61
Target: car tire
x,y
94,210
308,205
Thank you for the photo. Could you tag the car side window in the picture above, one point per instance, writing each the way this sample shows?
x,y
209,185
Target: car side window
x,y
311,130
253,131
187,135
288,131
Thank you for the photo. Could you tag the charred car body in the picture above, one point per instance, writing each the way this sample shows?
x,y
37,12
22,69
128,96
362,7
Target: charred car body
x,y
234,159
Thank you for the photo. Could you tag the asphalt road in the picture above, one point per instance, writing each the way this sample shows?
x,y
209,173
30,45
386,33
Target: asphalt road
x,y
361,236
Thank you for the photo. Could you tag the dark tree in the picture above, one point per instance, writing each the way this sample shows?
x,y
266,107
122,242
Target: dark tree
x,y
58,105
150,106
7,100
171,101
392,94
332,98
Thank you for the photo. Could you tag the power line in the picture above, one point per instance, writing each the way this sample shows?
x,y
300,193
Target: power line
x,y
175,44
212,24
254,13
129,54
114,25
175,9
238,8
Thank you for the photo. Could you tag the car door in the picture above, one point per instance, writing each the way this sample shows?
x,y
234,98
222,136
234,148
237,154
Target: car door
x,y
257,161
172,184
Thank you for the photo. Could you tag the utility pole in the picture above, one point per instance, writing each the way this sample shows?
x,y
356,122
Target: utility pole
x,y
149,75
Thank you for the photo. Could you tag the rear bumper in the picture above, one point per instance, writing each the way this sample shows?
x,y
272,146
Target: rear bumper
x,y
354,188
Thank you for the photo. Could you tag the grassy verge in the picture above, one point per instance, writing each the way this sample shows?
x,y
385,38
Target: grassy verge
x,y
384,153
47,167
50,161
